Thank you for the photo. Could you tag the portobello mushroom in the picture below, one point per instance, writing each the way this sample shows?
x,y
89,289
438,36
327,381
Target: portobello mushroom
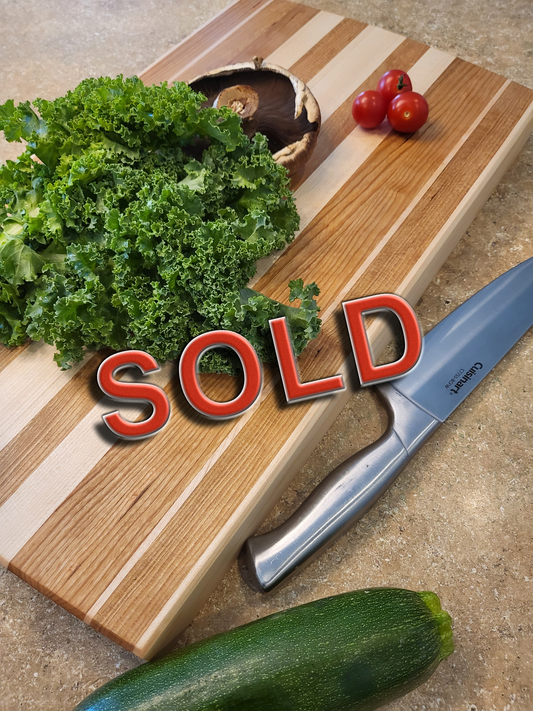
x,y
271,101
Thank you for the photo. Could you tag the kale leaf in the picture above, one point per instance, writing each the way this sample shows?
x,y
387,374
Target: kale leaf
x,y
134,220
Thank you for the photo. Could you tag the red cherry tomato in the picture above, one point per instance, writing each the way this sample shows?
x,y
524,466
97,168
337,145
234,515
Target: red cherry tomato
x,y
369,109
393,83
408,112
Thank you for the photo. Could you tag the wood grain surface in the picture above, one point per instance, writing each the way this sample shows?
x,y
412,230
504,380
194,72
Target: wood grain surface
x,y
132,537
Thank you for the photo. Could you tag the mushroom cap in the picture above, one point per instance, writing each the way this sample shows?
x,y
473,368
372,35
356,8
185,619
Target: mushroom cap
x,y
287,113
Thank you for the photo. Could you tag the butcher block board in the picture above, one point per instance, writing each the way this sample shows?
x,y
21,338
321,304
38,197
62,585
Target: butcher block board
x,y
132,537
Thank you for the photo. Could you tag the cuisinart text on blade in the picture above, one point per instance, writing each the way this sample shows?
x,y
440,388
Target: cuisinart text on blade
x,y
457,354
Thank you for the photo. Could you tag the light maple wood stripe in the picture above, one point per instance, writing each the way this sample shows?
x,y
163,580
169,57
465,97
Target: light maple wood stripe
x,y
281,33
325,49
349,286
360,143
9,354
41,556
305,39
340,124
178,503
167,608
36,499
315,413
352,65
203,40
260,35
153,535
37,440
346,159
175,508
484,156
470,205
442,201
207,558
27,384
364,206
27,368
439,202
410,288
219,495
117,504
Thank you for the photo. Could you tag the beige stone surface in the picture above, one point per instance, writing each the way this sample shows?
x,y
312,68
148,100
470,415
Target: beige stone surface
x,y
459,519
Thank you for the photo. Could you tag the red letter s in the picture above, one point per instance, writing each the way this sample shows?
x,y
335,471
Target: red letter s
x,y
133,392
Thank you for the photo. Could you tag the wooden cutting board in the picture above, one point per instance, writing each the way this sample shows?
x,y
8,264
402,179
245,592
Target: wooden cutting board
x,y
132,537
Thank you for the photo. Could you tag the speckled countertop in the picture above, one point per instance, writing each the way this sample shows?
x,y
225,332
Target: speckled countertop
x,y
459,520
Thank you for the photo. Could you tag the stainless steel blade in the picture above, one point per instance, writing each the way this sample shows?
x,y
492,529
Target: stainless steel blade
x,y
457,354
464,347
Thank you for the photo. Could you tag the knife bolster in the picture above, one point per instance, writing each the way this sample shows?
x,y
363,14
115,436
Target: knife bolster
x,y
411,424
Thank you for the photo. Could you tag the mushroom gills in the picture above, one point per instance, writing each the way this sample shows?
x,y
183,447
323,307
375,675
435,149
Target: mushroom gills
x,y
273,115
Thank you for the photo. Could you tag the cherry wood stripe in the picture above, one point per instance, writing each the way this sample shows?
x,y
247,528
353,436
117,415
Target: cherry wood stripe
x,y
27,383
320,27
42,493
260,36
205,39
44,432
38,573
348,288
364,206
348,150
294,16
169,500
122,511
102,473
351,66
203,494
7,355
454,189
353,146
296,22
325,49
340,124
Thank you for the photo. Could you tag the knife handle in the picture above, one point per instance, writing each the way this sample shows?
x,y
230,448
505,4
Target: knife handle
x,y
341,499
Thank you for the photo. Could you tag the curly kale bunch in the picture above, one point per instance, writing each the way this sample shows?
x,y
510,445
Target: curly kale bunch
x,y
134,220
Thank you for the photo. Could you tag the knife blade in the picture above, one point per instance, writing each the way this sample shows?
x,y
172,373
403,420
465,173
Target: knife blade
x,y
456,355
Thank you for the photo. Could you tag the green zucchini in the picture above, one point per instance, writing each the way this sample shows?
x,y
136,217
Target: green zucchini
x,y
354,651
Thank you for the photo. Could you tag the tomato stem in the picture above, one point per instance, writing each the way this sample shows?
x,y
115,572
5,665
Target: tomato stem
x,y
401,83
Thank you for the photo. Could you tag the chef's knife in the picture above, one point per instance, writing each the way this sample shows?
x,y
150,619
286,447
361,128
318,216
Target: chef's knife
x,y
456,355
